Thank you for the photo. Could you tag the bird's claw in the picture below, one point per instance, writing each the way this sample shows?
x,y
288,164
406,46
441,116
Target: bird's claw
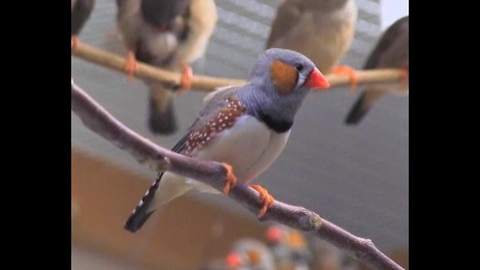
x,y
265,198
75,42
231,179
404,75
346,70
131,66
186,79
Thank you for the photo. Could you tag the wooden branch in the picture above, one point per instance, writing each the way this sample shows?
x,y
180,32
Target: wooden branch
x,y
214,174
205,83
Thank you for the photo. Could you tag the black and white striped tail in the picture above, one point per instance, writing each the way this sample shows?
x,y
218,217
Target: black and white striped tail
x,y
142,212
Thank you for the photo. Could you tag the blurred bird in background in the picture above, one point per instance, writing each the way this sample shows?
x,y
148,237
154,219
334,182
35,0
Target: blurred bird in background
x,y
322,30
250,254
245,127
289,248
81,10
167,34
391,51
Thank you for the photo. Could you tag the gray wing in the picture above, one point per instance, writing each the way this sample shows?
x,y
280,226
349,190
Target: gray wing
x,y
389,38
288,14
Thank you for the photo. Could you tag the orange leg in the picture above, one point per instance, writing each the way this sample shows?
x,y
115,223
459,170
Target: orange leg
x,y
130,66
75,42
404,76
186,80
346,70
265,198
231,179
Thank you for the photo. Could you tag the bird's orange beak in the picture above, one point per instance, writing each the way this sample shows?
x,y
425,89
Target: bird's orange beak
x,y
317,80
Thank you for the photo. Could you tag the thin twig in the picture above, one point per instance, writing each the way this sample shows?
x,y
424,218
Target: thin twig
x,y
214,174
206,83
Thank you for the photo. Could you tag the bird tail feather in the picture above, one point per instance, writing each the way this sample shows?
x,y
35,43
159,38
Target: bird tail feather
x,y
363,105
358,111
166,187
161,118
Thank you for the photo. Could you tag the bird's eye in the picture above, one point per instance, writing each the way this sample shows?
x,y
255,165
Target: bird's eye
x,y
299,67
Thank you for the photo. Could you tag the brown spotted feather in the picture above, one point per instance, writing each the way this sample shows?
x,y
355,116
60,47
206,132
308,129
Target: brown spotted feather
x,y
207,126
225,119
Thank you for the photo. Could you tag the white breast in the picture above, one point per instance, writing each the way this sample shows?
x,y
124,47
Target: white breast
x,y
250,147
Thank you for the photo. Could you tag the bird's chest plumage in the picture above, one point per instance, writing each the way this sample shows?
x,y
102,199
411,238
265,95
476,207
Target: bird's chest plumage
x,y
248,145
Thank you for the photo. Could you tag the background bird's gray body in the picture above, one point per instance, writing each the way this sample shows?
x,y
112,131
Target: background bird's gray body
x,y
182,38
391,51
321,30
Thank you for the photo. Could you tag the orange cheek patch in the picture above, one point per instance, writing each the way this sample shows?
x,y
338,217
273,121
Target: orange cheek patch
x,y
284,76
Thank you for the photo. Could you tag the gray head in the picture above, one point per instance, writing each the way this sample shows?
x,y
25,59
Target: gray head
x,y
161,13
280,80
286,71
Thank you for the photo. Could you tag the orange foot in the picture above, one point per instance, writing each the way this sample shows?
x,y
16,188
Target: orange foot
x,y
130,66
346,70
404,75
75,42
186,80
231,179
265,198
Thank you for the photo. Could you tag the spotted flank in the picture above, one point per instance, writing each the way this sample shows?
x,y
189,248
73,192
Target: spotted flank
x,y
223,120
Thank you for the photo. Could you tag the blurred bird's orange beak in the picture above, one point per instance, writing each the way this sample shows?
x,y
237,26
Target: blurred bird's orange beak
x,y
317,80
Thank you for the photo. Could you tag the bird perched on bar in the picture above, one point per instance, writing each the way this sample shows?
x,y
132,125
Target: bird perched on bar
x,y
167,34
244,127
322,30
391,51
81,11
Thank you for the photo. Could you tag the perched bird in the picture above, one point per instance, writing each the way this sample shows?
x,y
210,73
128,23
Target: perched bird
x,y
245,127
81,10
391,51
167,34
250,254
289,248
322,30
